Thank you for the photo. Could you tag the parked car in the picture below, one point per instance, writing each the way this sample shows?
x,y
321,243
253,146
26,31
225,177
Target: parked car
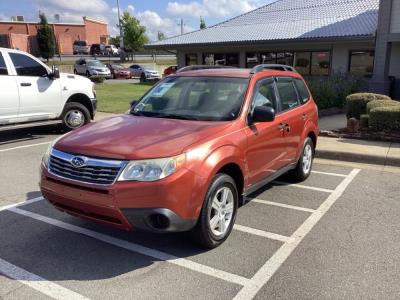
x,y
188,152
144,73
80,47
119,71
91,67
95,49
33,94
111,50
170,70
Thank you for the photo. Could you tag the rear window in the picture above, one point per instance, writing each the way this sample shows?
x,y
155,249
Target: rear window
x,y
302,89
80,43
287,94
3,67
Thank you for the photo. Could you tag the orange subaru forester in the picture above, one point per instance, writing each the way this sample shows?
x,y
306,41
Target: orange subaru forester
x,y
187,152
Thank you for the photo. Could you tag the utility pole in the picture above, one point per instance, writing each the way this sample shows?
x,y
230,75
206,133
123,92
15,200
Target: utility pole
x,y
181,24
121,36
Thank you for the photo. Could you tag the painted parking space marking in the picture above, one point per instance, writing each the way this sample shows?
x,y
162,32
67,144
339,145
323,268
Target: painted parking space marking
x,y
25,146
266,234
329,174
137,248
22,203
265,273
273,203
303,186
38,283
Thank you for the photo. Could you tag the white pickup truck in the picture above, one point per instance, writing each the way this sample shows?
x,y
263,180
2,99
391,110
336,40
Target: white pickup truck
x,y
32,94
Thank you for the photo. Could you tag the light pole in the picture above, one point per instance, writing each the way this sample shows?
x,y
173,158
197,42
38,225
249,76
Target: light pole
x,y
121,37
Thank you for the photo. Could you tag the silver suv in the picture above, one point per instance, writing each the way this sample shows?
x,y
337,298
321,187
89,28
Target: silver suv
x,y
91,67
80,47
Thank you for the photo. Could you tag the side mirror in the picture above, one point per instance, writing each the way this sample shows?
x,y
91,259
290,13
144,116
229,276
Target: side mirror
x,y
263,114
55,73
133,103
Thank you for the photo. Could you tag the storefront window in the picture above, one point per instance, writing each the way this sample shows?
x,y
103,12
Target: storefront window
x,y
252,59
191,59
284,58
362,62
303,62
224,59
268,58
320,63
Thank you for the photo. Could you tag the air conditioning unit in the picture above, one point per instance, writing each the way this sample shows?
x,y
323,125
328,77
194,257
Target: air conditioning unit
x,y
17,19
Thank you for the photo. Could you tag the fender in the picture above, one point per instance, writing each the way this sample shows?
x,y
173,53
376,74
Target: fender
x,y
309,127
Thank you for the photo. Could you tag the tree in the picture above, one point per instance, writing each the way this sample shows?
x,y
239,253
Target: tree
x,y
45,38
114,41
134,34
202,23
161,36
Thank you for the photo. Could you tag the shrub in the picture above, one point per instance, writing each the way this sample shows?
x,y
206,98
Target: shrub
x,y
364,121
385,118
332,91
381,103
97,79
356,104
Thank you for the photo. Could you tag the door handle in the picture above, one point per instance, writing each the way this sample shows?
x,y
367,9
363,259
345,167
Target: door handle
x,y
304,117
282,126
26,84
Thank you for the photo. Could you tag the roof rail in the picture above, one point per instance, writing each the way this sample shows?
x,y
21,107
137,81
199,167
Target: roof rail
x,y
278,67
202,67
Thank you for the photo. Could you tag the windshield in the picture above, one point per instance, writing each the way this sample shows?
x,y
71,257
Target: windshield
x,y
95,63
118,67
194,98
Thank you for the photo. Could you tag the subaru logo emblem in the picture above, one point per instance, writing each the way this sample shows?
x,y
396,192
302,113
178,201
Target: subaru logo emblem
x,y
78,162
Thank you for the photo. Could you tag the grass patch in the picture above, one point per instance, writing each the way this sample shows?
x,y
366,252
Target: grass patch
x,y
115,98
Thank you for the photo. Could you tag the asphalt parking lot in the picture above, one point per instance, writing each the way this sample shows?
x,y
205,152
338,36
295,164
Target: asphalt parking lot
x,y
334,236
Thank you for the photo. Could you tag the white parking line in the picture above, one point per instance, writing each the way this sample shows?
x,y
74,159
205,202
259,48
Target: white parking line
x,y
266,234
22,203
282,205
303,186
137,248
330,174
25,146
265,273
38,283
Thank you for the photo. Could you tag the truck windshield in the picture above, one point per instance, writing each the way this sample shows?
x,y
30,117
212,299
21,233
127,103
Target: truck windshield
x,y
194,98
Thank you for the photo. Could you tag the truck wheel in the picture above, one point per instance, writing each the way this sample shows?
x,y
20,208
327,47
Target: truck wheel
x,y
143,78
87,74
75,115
304,165
218,213
75,71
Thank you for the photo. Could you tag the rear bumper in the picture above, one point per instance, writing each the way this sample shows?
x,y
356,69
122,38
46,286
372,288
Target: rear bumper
x,y
170,205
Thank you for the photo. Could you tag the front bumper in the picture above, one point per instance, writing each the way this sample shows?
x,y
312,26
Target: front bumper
x,y
168,205
94,105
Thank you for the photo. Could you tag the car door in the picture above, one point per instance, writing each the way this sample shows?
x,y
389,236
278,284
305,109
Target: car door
x,y
9,97
81,66
39,96
292,119
266,146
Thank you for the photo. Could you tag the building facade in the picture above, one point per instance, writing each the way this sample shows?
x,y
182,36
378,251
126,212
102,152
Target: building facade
x,y
317,37
22,35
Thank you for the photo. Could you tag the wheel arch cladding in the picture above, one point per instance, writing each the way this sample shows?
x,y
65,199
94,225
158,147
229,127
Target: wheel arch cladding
x,y
82,99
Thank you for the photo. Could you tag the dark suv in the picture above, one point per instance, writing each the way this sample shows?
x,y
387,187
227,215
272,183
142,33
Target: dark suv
x,y
187,153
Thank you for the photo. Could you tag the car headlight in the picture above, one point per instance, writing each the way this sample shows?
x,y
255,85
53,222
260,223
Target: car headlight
x,y
46,156
152,169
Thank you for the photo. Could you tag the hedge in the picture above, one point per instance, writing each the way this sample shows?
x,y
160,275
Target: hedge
x,y
385,118
364,121
97,79
381,103
356,104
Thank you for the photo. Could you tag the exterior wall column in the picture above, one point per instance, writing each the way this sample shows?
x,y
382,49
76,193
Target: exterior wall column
x,y
380,82
242,59
180,58
199,58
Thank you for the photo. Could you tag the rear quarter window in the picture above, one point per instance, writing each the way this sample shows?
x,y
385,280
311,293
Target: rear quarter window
x,y
302,90
3,67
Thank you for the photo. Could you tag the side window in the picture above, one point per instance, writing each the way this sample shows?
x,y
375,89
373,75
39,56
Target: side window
x,y
302,89
3,67
265,94
26,66
287,94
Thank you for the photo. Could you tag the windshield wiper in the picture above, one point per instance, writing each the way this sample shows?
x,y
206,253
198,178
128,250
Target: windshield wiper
x,y
172,116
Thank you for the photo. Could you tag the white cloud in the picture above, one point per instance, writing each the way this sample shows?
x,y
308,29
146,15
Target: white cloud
x,y
3,17
214,8
82,6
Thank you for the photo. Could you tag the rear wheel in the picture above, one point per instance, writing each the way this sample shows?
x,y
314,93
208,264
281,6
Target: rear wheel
x,y
143,77
304,165
218,213
75,71
87,74
75,115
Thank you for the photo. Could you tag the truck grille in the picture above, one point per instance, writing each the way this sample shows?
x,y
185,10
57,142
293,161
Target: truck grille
x,y
84,169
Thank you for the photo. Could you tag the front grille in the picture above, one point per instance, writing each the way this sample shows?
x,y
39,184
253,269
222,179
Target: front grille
x,y
94,171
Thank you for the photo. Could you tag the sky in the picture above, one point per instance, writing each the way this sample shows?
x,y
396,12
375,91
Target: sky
x,y
155,15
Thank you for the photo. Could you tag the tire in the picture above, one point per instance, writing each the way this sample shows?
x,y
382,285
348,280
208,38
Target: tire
x,y
305,163
72,111
143,77
203,233
87,74
75,72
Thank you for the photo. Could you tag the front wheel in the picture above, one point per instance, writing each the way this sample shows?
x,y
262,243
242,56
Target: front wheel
x,y
143,77
305,163
218,213
75,115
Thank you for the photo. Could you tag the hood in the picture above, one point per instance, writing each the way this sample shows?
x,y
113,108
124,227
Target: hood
x,y
130,137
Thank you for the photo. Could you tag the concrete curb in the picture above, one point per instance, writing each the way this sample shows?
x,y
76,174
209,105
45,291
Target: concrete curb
x,y
358,157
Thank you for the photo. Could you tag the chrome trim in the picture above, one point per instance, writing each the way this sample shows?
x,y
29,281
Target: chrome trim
x,y
89,162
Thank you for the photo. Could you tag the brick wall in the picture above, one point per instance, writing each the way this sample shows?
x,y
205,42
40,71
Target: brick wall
x,y
96,32
19,41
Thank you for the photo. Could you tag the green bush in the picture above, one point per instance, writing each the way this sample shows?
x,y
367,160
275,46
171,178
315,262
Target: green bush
x,y
364,121
97,79
381,103
332,91
385,118
356,104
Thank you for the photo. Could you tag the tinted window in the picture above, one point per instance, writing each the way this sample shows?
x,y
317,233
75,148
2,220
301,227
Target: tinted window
x,y
27,66
3,68
320,63
302,89
287,94
362,62
265,94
